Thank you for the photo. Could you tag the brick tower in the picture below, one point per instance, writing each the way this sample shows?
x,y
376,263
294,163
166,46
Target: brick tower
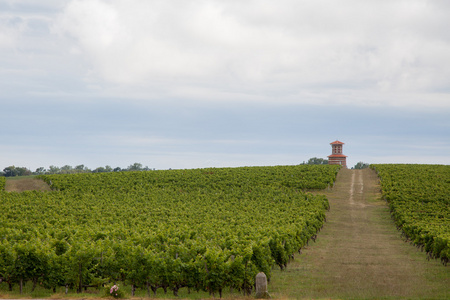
x,y
337,157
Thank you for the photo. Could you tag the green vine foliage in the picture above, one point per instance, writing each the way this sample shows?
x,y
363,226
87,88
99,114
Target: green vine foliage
x,y
419,200
2,183
206,229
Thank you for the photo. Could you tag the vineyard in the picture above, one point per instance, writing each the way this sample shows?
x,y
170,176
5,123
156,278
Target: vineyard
x,y
419,201
202,229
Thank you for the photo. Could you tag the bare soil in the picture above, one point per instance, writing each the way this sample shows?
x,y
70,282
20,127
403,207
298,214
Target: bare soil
x,y
359,254
26,184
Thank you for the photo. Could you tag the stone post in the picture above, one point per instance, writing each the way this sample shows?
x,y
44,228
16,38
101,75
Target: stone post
x,y
261,286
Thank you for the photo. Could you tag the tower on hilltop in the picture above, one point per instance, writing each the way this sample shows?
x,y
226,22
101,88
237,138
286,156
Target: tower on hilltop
x,y
337,157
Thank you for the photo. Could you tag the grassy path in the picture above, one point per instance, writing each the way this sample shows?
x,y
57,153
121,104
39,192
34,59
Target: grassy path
x,y
359,254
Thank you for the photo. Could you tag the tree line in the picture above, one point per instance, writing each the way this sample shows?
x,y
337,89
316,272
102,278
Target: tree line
x,y
12,171
322,161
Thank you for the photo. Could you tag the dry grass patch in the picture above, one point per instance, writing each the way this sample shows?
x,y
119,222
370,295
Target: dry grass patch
x,y
26,184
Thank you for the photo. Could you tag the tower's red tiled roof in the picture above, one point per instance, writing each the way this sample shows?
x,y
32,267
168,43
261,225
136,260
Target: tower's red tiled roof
x,y
337,155
337,143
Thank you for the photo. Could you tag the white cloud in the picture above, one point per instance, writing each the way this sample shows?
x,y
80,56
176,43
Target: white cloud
x,y
394,53
7,39
214,48
10,31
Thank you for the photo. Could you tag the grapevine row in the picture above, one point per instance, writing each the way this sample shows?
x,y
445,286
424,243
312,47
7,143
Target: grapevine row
x,y
419,201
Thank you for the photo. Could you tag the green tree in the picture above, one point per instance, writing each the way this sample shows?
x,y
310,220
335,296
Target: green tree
x,y
54,170
317,161
81,169
135,167
22,171
99,170
361,165
16,171
40,171
10,171
66,169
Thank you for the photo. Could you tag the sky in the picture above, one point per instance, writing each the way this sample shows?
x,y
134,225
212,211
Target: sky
x,y
206,83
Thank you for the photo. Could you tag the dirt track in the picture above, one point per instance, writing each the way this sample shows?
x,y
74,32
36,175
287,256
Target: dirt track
x,y
360,254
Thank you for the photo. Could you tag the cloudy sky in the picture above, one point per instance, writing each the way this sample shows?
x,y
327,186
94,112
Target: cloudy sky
x,y
209,83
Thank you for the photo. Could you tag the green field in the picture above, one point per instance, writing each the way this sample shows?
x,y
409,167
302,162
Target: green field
x,y
203,230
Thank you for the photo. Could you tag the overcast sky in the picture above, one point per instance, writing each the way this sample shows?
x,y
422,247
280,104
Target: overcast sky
x,y
208,83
